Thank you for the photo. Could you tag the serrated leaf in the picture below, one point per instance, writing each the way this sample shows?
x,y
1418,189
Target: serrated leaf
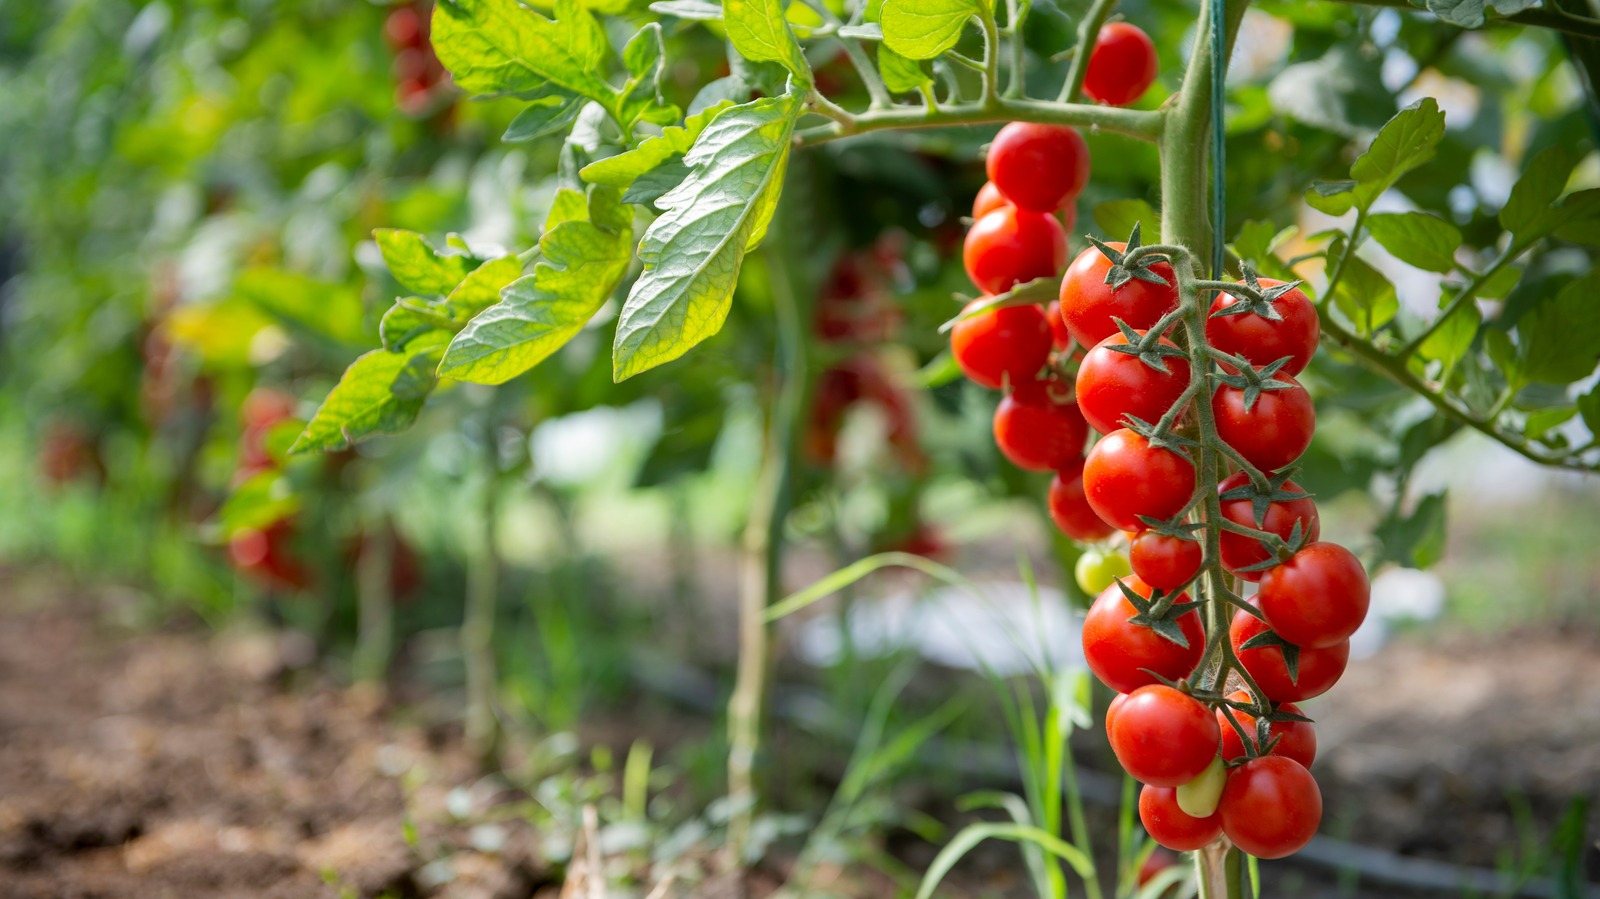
x,y
418,267
1500,284
544,116
692,253
759,31
1537,190
624,168
583,258
698,10
652,185
1503,353
1405,142
1451,340
923,29
1122,216
1365,296
380,393
501,47
1417,238
901,75
1558,341
1258,241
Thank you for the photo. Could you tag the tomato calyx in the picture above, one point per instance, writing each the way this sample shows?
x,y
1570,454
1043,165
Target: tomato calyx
x,y
1123,271
1159,612
1262,500
1279,549
1160,436
1256,298
1253,381
1291,652
1147,346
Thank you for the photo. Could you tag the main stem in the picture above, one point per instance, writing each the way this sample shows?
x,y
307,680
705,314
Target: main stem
x,y
477,621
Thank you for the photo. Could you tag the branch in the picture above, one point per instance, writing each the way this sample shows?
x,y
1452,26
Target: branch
x,y
1088,33
858,58
1467,295
1136,123
1553,19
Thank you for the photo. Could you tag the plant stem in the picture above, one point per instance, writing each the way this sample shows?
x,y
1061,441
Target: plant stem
x,y
1088,33
1553,19
375,604
991,57
477,621
1136,123
1467,295
1016,85
858,58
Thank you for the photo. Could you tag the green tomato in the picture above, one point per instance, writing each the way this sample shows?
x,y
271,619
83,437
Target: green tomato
x,y
1199,797
1096,569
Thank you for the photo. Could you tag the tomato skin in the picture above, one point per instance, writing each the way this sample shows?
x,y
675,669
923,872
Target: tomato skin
x,y
1171,826
1164,737
1263,341
1007,344
1122,65
1088,303
1116,650
1113,708
1071,511
1274,432
1060,337
1318,597
1239,551
1098,569
1125,477
1039,429
1296,739
1011,246
1271,807
1112,384
1163,561
268,554
1320,668
1038,167
988,200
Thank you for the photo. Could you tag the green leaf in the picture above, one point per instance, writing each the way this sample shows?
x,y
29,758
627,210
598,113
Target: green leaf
x,y
259,502
503,47
1417,238
1536,192
417,265
697,10
1503,353
649,187
1118,217
901,75
1450,342
1589,409
1500,284
380,393
624,168
412,317
328,310
1365,296
693,252
585,252
1406,141
1258,241
923,29
1558,341
973,834
1340,91
1472,13
1415,540
758,30
544,116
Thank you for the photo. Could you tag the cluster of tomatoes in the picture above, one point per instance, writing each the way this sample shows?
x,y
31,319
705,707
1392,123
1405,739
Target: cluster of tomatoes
x,y
418,74
267,553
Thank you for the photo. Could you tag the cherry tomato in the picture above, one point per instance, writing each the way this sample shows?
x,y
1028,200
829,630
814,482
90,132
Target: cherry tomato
x,y
1164,737
1011,246
1125,477
1271,807
1009,344
1262,340
988,200
1319,668
1296,739
1274,431
405,27
1071,511
1171,826
1112,709
1239,551
1059,336
1122,65
268,554
1088,303
1039,428
1318,597
1117,650
1158,861
1097,569
1038,167
1163,561
1112,384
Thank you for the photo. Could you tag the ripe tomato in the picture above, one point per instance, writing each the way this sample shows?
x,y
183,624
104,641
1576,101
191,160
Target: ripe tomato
x,y
1318,597
1009,344
988,200
1262,340
405,27
1296,739
1038,167
1125,477
1320,668
1111,710
1273,432
1239,551
268,554
1171,826
1271,807
1071,511
1059,335
1112,384
1164,737
1116,650
1122,65
1011,246
1038,426
1088,303
1163,561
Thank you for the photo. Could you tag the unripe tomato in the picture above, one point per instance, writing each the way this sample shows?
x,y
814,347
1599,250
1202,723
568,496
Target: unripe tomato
x,y
1319,668
1038,167
1060,338
1164,737
1262,340
1039,428
1239,551
1170,826
1070,510
1001,346
1088,304
1164,561
1097,569
1118,652
1296,739
1122,65
1318,597
1011,246
1271,807
988,200
1125,477
1273,432
1112,384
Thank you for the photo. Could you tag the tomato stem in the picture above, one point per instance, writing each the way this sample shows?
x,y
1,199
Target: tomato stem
x,y
1088,33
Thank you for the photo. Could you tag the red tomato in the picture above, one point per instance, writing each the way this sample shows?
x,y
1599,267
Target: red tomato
x,y
1038,427
1011,246
268,554
1112,384
1296,739
1318,597
1164,737
1111,710
1274,431
1059,335
1071,511
1170,825
1239,551
1125,477
1088,303
1163,561
988,200
1001,346
1038,167
265,407
1319,669
1117,650
1262,340
1271,807
1122,65
1160,860
405,28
